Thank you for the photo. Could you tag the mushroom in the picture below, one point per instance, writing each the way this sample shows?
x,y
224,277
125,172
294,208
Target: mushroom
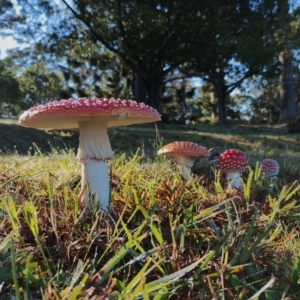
x,y
92,116
233,162
270,169
183,153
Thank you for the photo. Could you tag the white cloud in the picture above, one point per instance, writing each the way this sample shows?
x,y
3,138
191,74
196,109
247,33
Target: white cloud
x,y
6,43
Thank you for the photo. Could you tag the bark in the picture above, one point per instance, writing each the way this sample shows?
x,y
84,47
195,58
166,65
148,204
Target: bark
x,y
214,111
221,93
139,89
287,97
153,92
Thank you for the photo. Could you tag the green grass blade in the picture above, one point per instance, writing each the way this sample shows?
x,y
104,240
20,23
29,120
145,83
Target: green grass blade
x,y
14,270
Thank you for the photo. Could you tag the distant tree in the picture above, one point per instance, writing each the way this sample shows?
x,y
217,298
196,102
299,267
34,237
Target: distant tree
x,y
100,75
207,104
265,106
39,85
243,46
10,94
8,17
175,97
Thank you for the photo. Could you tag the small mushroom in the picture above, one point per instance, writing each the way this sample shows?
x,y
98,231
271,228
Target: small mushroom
x,y
233,162
270,169
183,153
92,116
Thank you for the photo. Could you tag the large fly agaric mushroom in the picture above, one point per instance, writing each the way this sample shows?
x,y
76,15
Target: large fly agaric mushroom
x,y
92,116
233,162
183,153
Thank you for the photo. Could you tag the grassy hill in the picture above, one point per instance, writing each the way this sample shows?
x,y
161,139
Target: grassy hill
x,y
263,139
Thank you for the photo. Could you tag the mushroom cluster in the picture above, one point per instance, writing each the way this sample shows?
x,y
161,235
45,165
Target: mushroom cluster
x,y
92,116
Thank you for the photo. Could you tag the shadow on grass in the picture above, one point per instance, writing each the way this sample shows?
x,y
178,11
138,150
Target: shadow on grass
x,y
17,139
150,137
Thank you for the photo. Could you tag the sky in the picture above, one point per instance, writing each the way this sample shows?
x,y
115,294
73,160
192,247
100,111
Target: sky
x,y
6,43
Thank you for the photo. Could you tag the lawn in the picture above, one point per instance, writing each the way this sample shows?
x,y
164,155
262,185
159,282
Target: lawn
x,y
163,238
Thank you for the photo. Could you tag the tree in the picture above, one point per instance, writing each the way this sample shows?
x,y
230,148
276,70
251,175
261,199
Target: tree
x,y
286,35
175,96
8,17
39,85
288,110
244,47
151,38
265,106
96,75
223,41
10,96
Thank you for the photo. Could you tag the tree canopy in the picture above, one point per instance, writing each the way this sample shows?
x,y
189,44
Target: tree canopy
x,y
117,47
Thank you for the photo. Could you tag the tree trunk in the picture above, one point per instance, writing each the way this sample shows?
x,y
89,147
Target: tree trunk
x,y
287,97
221,93
139,89
153,91
214,109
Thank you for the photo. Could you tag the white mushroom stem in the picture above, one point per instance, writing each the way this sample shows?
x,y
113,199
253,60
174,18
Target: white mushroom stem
x,y
234,179
185,166
95,181
93,152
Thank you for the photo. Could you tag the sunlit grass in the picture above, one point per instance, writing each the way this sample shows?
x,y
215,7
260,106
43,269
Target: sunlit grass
x,y
164,238
9,120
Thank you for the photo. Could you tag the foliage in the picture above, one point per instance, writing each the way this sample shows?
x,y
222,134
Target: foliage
x,y
38,85
245,47
163,239
95,74
10,91
8,17
100,47
22,89
154,39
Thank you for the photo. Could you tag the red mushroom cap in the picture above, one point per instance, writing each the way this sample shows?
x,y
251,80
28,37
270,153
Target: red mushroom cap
x,y
183,149
65,114
269,167
232,160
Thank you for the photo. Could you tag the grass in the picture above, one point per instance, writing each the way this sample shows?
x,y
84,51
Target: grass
x,y
164,238
264,140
